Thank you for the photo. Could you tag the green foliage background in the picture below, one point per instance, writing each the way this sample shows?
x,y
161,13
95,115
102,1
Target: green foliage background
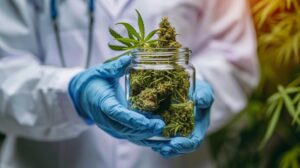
x,y
267,133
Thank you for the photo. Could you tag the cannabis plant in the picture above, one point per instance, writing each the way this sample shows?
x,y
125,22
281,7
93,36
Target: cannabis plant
x,y
267,132
278,28
163,92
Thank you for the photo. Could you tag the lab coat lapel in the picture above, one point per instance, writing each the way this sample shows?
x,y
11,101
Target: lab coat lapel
x,y
114,8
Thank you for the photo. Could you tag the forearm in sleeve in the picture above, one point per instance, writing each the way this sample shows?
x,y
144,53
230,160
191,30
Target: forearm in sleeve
x,y
34,101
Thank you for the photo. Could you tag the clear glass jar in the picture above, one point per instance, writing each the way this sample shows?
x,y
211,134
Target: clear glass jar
x,y
161,82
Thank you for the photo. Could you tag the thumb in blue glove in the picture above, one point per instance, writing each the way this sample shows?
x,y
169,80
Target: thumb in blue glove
x,y
98,97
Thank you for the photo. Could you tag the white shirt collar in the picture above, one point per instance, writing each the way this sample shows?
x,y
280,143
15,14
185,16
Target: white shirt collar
x,y
114,7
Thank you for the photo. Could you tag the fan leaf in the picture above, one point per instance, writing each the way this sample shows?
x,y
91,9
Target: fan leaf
x,y
130,29
117,35
289,104
117,48
127,40
272,124
151,34
141,24
116,57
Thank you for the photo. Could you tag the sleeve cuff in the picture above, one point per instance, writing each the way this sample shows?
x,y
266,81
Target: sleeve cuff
x,y
64,100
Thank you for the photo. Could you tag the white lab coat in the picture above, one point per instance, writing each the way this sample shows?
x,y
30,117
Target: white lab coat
x,y
41,126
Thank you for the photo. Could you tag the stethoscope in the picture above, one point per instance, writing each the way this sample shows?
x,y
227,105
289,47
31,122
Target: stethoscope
x,y
54,16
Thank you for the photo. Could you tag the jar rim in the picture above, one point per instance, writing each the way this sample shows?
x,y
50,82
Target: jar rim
x,y
161,55
143,51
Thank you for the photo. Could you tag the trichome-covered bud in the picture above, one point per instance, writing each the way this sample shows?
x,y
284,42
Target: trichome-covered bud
x,y
167,35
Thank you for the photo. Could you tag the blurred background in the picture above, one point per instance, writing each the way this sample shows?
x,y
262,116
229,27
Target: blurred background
x,y
267,133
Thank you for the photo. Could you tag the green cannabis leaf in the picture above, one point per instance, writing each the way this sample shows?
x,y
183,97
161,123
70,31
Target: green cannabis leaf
x,y
290,159
285,97
136,39
277,27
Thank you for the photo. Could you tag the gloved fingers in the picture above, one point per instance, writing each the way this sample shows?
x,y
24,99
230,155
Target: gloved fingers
x,y
120,135
120,95
202,120
111,132
150,115
114,69
136,133
185,145
151,143
112,126
188,144
167,152
124,134
170,154
116,130
114,110
204,95
181,145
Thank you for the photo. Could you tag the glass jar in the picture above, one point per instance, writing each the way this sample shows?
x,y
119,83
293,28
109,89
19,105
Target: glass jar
x,y
161,82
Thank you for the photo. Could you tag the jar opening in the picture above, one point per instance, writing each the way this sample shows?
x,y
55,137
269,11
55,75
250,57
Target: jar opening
x,y
161,55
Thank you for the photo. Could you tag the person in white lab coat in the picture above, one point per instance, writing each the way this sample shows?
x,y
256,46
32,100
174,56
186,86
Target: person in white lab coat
x,y
41,125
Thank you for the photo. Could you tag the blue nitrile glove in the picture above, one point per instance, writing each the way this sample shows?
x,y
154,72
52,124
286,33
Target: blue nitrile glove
x,y
98,97
177,146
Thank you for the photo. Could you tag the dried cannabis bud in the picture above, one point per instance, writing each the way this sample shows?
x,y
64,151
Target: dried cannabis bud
x,y
166,94
159,91
167,35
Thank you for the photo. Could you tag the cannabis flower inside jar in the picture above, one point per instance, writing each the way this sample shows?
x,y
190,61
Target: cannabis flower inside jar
x,y
161,82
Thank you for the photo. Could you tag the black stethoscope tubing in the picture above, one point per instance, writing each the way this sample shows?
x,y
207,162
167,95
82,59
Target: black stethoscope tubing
x,y
54,17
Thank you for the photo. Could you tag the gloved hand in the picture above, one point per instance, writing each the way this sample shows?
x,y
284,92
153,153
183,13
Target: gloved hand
x,y
98,98
177,146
